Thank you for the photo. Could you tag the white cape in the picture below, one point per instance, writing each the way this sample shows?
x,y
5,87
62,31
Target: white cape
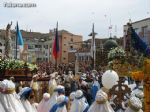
x,y
28,107
62,109
53,100
79,105
2,107
43,106
11,103
100,107
130,110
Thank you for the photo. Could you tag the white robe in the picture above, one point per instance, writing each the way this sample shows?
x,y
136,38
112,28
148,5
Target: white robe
x,y
28,107
62,109
11,103
130,110
53,100
134,92
78,105
43,106
95,107
2,107
52,86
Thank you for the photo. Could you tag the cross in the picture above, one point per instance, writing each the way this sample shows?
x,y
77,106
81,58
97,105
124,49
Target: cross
x,y
120,90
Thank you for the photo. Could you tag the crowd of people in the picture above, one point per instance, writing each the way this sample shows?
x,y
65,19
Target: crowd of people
x,y
68,92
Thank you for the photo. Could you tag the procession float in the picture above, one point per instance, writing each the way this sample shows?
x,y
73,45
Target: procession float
x,y
134,62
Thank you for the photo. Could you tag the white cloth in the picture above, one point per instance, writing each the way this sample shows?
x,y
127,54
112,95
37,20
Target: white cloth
x,y
44,104
10,102
130,110
100,107
135,105
28,107
35,105
72,96
53,100
60,99
62,109
79,104
101,104
34,108
137,92
52,85
2,107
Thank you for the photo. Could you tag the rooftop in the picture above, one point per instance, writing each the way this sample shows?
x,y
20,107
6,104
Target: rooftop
x,y
140,21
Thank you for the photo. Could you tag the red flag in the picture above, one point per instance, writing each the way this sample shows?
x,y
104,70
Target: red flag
x,y
56,44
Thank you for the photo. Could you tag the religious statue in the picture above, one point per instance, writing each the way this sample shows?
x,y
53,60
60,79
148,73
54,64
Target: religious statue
x,y
8,41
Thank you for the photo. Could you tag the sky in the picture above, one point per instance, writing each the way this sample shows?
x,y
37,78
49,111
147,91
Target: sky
x,y
75,16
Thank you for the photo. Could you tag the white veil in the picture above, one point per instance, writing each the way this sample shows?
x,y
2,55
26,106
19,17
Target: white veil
x,y
79,104
44,105
101,104
9,98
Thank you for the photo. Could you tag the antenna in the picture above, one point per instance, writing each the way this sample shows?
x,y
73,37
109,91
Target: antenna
x,y
116,30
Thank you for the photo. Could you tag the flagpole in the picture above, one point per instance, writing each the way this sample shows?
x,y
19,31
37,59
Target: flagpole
x,y
93,36
16,42
56,34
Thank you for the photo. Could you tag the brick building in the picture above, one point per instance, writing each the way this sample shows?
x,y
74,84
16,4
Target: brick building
x,y
68,46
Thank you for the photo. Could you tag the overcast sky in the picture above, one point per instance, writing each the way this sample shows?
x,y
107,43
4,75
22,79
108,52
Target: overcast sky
x,y
76,16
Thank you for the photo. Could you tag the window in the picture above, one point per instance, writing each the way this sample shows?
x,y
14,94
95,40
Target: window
x,y
80,58
64,51
145,34
71,47
64,58
30,47
137,30
87,57
64,37
46,46
46,59
0,50
71,39
0,44
38,46
39,59
46,54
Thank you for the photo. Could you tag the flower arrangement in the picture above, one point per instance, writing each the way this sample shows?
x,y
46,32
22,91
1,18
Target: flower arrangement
x,y
116,53
137,75
12,64
121,68
117,62
146,67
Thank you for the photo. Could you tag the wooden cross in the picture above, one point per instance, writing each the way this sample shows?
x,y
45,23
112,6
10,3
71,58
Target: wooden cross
x,y
121,91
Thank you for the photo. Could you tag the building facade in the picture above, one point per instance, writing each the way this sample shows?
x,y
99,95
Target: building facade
x,y
38,46
142,28
67,46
